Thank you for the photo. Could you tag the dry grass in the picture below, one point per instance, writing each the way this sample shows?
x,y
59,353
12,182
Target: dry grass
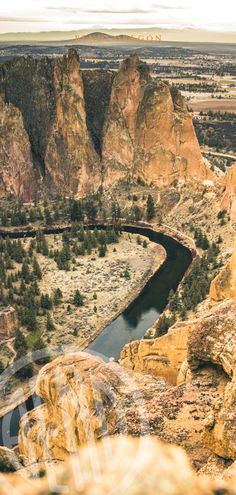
x,y
214,105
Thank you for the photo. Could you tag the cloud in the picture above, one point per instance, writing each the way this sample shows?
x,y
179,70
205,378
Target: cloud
x,y
21,19
111,10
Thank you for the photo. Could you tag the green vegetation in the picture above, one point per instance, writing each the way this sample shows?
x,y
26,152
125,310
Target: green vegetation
x,y
195,288
20,276
150,208
78,299
163,325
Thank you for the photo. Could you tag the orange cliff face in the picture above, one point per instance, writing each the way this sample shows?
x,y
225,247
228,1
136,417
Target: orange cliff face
x,y
71,161
224,285
17,175
229,198
136,127
149,132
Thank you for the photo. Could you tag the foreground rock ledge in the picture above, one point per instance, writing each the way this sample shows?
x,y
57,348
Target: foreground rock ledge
x,y
121,465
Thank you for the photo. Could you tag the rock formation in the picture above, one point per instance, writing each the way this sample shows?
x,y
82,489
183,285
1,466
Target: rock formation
x,y
17,175
149,132
85,399
121,465
224,285
8,322
84,129
229,198
70,159
159,357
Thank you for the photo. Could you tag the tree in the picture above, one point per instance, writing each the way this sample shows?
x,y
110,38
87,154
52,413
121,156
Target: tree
x,y
78,299
57,297
25,273
39,345
49,324
46,302
102,251
91,210
150,208
48,216
2,367
174,302
36,269
163,325
21,347
115,211
20,343
137,213
76,211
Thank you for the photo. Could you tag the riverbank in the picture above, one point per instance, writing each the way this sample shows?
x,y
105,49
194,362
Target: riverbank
x,y
108,286
114,295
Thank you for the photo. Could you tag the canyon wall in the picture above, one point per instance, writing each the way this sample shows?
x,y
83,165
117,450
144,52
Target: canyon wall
x,y
224,285
229,198
150,129
86,399
77,130
159,357
17,175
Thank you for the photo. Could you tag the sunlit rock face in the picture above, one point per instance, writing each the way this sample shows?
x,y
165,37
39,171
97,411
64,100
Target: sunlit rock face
x,y
17,176
149,132
224,285
229,197
71,163
92,128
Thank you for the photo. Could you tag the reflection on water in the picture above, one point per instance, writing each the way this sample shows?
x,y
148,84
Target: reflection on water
x,y
143,312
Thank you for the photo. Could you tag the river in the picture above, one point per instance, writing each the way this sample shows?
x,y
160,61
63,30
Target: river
x,y
131,324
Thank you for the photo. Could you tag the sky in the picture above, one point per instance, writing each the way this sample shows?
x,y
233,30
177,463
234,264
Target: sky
x,y
66,15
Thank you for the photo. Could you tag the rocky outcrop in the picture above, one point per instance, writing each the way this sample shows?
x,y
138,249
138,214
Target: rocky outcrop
x,y
122,465
149,132
17,177
8,322
214,341
9,461
85,399
50,96
71,163
229,198
93,128
97,94
224,285
159,357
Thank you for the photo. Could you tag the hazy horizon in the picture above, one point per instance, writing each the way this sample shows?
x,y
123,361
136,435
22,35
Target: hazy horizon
x,y
167,35
177,19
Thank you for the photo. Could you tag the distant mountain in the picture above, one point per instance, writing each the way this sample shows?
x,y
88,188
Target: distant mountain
x,y
167,35
98,37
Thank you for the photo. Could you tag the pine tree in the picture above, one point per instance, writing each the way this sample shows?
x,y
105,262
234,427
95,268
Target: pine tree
x,y
150,208
49,324
76,212
78,299
102,251
36,269
57,297
39,345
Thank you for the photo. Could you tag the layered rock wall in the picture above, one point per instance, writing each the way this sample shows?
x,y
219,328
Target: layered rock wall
x,y
78,131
